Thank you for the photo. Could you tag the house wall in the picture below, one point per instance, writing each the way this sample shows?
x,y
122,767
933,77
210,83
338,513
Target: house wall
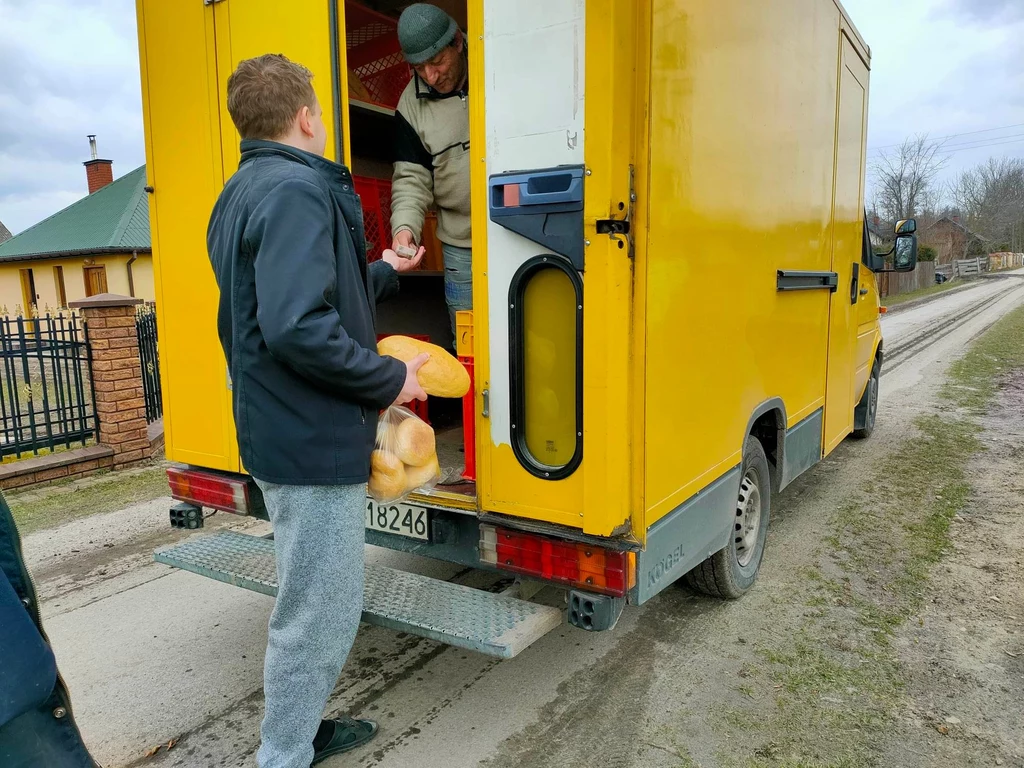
x,y
948,242
11,300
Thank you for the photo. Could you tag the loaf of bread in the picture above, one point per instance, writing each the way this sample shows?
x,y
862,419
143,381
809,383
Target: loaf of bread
x,y
356,89
441,376
387,476
414,442
418,477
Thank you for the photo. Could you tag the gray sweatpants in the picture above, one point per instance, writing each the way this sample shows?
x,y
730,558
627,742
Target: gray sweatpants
x,y
318,546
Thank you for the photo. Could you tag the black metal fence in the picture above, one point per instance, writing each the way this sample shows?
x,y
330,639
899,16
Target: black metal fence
x,y
145,329
46,393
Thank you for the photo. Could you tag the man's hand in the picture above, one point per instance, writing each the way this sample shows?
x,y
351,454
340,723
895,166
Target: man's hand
x,y
400,264
403,237
412,389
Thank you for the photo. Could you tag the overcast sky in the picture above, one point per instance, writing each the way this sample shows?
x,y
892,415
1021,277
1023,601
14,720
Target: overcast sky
x,y
70,67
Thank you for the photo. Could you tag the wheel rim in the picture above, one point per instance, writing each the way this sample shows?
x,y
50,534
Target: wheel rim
x,y
748,519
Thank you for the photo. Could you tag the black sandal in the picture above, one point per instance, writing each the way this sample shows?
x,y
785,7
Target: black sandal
x,y
348,734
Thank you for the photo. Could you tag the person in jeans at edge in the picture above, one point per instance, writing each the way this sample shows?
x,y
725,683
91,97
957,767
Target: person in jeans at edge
x,y
431,153
296,320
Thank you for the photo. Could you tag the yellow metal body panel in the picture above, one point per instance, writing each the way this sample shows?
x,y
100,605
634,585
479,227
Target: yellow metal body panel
x,y
597,496
844,364
502,484
638,350
612,150
478,207
743,107
299,29
187,53
185,169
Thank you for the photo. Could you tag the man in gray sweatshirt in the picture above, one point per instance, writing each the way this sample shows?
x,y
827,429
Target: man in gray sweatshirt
x,y
432,146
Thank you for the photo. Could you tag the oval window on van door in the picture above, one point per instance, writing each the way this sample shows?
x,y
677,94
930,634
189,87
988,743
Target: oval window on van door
x,y
546,329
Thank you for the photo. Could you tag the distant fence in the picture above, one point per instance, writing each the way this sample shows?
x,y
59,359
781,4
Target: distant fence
x,y
969,267
1005,261
145,330
46,395
893,283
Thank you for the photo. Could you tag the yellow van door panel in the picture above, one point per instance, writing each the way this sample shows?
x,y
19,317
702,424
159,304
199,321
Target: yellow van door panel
x,y
183,165
844,355
740,186
611,151
869,332
298,29
534,119
192,149
596,496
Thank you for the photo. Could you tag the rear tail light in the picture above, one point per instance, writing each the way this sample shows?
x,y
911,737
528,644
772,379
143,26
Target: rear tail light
x,y
206,489
590,568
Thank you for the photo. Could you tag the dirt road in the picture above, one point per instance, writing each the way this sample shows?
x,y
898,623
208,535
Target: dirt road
x,y
152,654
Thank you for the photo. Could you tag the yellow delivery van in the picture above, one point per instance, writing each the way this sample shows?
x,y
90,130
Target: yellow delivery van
x,y
674,302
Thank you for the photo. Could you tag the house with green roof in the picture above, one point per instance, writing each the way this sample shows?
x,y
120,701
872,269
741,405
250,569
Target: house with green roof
x,y
100,244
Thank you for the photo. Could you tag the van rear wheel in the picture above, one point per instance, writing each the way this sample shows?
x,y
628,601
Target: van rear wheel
x,y
731,572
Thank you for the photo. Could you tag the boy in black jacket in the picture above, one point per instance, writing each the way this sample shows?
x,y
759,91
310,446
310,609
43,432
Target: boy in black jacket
x,y
296,320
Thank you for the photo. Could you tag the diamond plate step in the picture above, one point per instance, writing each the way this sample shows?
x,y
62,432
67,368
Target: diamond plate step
x,y
468,618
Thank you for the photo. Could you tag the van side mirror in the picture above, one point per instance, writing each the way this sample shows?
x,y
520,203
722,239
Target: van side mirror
x,y
906,227
905,253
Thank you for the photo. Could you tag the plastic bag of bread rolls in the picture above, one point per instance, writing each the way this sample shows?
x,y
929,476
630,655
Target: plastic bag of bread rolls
x,y
404,458
441,376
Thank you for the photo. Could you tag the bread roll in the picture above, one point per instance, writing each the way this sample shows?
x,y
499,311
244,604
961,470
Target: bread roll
x,y
356,89
387,476
414,443
417,477
441,376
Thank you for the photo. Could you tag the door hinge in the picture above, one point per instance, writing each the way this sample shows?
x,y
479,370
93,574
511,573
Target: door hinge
x,y
621,228
486,396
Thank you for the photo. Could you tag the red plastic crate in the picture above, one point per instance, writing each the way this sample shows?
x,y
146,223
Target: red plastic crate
x,y
374,54
469,423
375,196
419,407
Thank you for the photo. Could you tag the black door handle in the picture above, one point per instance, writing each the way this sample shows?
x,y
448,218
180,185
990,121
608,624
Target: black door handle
x,y
854,283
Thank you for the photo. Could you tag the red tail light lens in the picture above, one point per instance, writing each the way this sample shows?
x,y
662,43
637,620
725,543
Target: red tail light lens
x,y
565,562
206,489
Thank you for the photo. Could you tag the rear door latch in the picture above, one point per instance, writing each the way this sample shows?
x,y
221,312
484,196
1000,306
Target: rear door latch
x,y
620,230
612,226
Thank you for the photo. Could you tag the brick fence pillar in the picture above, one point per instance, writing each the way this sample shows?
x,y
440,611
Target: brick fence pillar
x,y
117,376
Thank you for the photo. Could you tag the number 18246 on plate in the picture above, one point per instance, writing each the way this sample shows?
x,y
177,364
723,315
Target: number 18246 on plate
x,y
398,519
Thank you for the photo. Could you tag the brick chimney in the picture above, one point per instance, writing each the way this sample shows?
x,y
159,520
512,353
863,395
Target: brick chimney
x,y
876,221
956,218
98,173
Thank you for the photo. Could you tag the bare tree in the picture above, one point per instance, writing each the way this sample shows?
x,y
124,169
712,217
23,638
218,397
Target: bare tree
x,y
990,197
905,177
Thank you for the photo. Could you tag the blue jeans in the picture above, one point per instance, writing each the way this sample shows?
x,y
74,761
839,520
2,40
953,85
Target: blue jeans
x,y
458,280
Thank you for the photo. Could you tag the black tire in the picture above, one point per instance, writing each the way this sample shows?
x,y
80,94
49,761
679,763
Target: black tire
x,y
732,571
867,409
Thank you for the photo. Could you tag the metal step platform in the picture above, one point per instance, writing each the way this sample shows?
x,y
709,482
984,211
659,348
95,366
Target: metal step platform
x,y
449,613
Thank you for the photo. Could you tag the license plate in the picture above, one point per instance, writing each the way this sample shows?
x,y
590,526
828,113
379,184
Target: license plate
x,y
399,519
